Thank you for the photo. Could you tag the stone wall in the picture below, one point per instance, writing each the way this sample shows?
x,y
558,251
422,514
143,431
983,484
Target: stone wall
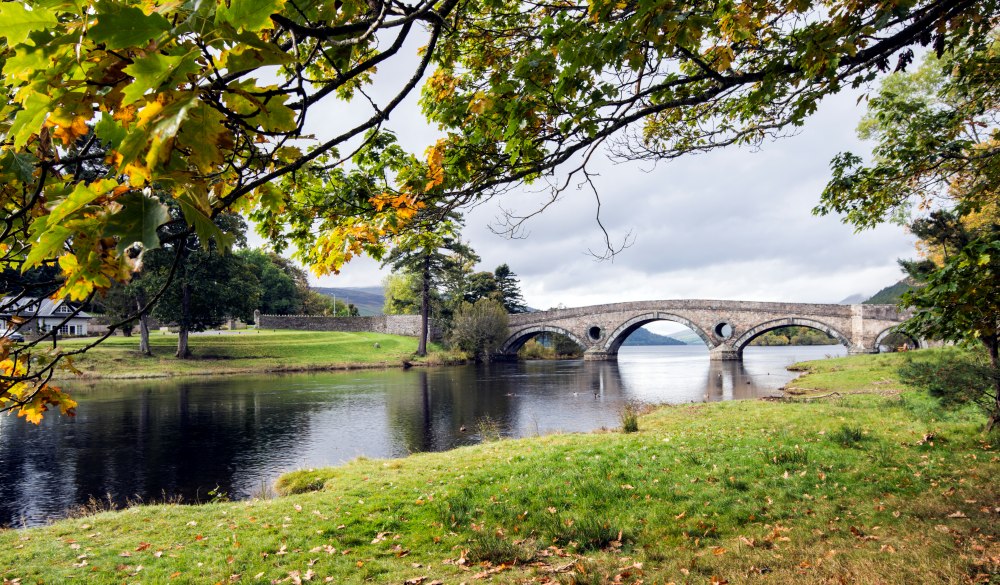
x,y
408,325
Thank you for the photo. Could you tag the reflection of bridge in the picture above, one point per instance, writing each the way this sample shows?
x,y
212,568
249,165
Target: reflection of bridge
x,y
726,327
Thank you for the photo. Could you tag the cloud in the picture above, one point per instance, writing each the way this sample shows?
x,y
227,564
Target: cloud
x,y
734,224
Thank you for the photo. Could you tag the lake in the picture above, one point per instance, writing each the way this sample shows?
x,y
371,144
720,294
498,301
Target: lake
x,y
152,440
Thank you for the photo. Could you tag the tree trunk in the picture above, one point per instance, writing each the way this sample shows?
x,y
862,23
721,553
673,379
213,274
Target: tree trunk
x,y
182,343
182,336
140,301
425,301
992,347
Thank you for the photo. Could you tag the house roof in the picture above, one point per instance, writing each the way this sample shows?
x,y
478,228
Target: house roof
x,y
36,307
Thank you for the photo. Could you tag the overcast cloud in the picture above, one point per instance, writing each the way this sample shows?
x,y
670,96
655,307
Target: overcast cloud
x,y
733,224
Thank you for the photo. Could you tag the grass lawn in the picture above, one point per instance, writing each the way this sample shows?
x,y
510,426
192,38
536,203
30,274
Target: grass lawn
x,y
856,488
247,351
859,373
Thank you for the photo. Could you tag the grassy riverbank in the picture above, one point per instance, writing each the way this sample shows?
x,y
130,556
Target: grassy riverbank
x,y
249,351
858,373
857,488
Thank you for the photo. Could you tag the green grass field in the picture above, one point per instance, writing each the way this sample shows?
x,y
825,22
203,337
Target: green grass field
x,y
861,373
858,488
247,351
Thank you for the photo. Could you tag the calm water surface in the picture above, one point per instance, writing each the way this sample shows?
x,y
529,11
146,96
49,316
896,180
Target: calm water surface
x,y
150,439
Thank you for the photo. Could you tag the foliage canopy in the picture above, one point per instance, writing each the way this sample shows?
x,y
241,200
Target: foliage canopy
x,y
936,167
213,104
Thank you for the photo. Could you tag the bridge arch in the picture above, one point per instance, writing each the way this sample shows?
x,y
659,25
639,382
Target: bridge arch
x,y
744,340
521,336
889,331
619,335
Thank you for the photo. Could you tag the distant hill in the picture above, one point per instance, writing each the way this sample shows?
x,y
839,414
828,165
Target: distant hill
x,y
645,337
854,299
687,337
368,299
890,294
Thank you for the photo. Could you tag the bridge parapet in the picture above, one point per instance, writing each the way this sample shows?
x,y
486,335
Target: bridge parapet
x,y
726,327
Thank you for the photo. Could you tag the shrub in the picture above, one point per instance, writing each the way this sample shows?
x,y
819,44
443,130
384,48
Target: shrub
x,y
480,328
954,378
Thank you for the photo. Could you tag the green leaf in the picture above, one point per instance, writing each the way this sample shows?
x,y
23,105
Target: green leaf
x,y
246,58
271,114
28,121
202,136
49,243
82,195
20,165
110,131
137,221
251,15
26,63
120,26
19,22
197,213
153,70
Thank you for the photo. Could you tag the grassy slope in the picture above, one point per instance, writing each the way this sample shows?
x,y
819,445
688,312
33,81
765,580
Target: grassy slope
x,y
843,489
869,373
247,351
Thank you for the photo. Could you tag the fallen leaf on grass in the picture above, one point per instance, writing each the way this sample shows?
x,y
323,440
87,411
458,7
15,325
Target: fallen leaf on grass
x,y
861,535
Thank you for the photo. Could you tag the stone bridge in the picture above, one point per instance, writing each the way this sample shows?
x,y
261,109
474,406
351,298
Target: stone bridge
x,y
726,327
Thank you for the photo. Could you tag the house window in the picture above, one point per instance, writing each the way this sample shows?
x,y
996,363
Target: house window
x,y
64,330
64,309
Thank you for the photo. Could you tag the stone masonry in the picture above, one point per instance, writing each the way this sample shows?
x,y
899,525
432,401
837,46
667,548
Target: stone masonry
x,y
408,325
726,327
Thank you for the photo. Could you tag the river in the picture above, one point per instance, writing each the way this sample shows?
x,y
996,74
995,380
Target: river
x,y
151,440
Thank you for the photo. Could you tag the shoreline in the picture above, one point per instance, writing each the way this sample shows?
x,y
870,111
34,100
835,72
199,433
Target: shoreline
x,y
861,487
342,367
264,353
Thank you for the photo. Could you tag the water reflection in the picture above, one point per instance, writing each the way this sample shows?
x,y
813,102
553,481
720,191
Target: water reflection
x,y
151,439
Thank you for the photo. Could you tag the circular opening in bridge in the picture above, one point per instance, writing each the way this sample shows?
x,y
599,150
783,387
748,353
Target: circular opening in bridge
x,y
594,333
724,330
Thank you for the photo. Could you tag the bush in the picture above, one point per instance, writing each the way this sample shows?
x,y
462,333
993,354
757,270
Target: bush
x,y
955,378
480,328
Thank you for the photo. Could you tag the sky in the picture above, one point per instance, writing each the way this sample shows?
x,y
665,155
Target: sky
x,y
732,224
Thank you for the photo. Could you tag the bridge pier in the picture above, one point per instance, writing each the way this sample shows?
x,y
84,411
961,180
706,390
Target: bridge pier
x,y
725,353
599,355
861,350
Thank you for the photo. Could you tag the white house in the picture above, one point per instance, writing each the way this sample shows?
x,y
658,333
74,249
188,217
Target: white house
x,y
34,316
